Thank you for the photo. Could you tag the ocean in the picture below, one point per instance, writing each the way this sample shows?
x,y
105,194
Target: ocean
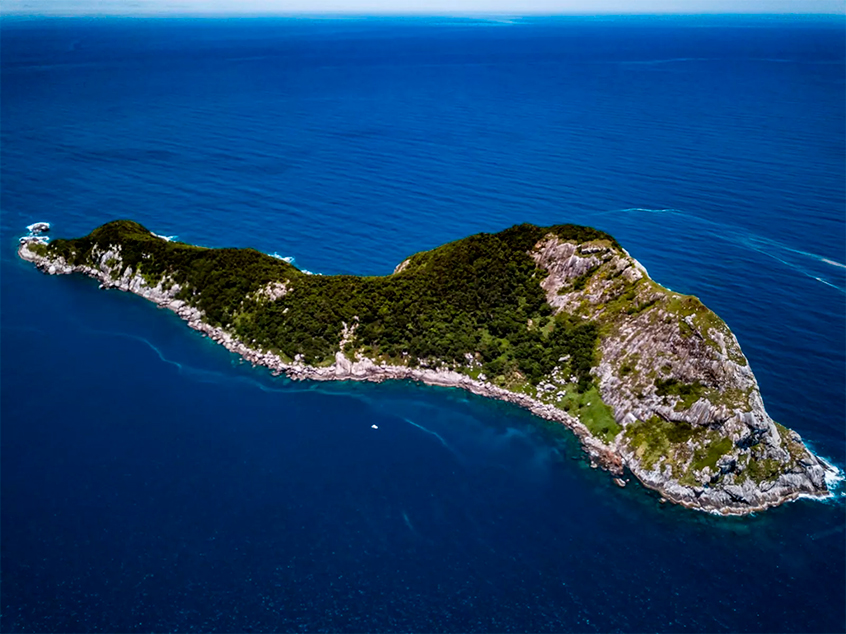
x,y
153,482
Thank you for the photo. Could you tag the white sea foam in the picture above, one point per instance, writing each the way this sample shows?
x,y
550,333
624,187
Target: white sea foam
x,y
638,264
35,230
766,246
290,259
770,247
833,475
35,238
165,238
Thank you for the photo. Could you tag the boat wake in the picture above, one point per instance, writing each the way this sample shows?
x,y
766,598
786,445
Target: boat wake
x,y
812,265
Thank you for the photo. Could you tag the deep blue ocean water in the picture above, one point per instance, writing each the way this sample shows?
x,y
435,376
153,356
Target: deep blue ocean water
x,y
151,482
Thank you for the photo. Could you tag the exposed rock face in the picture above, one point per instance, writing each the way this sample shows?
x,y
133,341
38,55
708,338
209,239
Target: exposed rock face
x,y
402,266
272,291
38,227
693,423
35,233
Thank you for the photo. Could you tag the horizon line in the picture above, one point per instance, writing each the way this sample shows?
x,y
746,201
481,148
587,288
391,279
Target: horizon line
x,y
425,14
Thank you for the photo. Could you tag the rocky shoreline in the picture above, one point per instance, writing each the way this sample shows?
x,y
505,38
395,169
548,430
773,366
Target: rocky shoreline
x,y
613,457
343,369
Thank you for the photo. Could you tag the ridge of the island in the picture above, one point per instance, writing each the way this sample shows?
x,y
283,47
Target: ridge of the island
x,y
560,320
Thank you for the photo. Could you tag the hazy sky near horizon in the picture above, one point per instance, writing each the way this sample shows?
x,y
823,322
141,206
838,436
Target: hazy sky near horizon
x,y
441,7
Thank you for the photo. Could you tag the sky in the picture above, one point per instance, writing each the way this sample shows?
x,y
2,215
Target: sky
x,y
439,7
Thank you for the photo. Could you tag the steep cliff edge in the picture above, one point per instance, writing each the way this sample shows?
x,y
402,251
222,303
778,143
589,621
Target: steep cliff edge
x,y
560,320
693,423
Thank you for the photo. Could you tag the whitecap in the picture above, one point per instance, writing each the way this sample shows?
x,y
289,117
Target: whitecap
x,y
769,247
833,263
833,476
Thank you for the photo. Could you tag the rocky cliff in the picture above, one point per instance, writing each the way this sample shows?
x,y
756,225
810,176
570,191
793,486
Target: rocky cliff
x,y
693,423
676,400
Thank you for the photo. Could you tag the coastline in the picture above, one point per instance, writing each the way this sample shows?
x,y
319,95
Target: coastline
x,y
613,457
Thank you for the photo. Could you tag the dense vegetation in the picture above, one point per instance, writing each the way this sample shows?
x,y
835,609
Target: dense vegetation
x,y
479,296
221,277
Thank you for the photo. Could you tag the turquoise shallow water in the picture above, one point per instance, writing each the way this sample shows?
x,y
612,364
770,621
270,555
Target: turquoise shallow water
x,y
150,481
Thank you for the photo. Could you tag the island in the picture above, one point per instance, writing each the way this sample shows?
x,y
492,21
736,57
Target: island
x,y
560,320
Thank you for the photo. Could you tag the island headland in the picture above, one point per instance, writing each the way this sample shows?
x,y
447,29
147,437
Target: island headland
x,y
560,320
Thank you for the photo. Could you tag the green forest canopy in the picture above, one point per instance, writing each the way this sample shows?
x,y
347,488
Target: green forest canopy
x,y
480,295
